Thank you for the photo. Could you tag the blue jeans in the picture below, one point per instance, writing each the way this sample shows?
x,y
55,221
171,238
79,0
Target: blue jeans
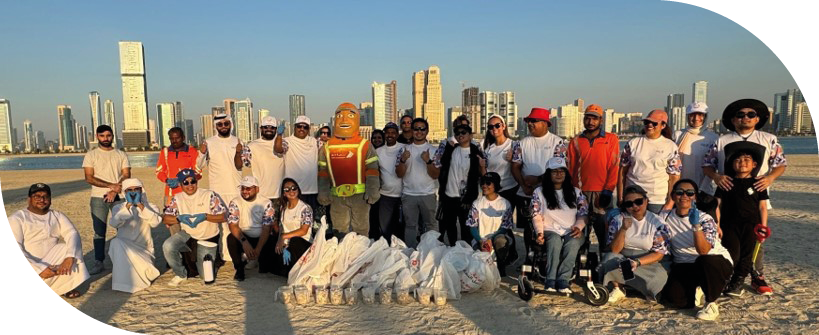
x,y
173,248
99,214
561,253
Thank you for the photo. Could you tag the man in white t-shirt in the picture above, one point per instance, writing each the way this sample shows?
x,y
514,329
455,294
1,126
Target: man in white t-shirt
x,y
105,168
415,164
529,164
301,159
268,167
389,207
250,217
218,154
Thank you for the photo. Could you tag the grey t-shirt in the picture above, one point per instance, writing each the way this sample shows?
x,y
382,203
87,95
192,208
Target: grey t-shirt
x,y
107,166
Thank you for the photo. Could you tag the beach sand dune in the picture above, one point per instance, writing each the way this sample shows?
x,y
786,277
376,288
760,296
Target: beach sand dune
x,y
792,267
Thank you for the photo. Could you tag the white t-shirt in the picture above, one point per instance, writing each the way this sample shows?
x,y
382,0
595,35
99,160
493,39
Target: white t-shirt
x,y
649,234
107,166
558,220
458,172
391,185
251,216
692,152
490,215
681,237
651,161
293,219
496,162
267,166
301,162
416,179
203,201
223,177
535,152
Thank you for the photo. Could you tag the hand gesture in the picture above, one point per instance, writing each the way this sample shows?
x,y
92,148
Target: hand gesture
x,y
762,183
203,148
508,156
172,182
65,268
576,232
425,156
280,129
405,156
239,147
627,221
724,182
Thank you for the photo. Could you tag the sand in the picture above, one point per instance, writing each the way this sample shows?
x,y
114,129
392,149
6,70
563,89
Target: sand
x,y
249,307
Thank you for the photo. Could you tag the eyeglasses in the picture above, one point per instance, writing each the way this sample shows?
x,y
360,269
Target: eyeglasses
x,y
631,203
223,124
680,192
268,127
419,129
290,189
495,126
40,197
531,121
461,133
406,122
652,123
750,115
189,182
325,133
302,126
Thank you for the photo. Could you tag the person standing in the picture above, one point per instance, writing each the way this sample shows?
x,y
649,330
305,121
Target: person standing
x,y
301,159
406,130
218,154
593,157
389,206
250,218
268,167
694,142
529,165
172,159
652,162
415,165
105,168
498,149
744,118
459,179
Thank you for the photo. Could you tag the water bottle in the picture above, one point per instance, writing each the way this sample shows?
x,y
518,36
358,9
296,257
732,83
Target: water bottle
x,y
207,268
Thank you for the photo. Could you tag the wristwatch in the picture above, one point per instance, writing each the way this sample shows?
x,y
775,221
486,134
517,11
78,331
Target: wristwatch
x,y
429,162
243,239
697,227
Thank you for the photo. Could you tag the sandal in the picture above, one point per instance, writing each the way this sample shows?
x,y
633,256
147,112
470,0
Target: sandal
x,y
72,294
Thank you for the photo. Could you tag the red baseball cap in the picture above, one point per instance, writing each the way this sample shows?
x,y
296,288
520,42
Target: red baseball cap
x,y
539,114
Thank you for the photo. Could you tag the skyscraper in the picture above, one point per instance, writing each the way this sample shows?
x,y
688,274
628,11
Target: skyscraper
x,y
471,103
111,120
381,112
152,134
28,136
82,137
187,127
166,115
700,92
178,116
65,126
229,106
207,125
418,84
40,140
6,136
134,94
452,114
391,97
243,120
428,102
367,113
508,109
785,107
568,122
216,110
675,108
581,105
489,106
297,107
96,113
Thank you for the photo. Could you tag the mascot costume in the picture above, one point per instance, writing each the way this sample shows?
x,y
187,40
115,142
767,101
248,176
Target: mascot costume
x,y
348,174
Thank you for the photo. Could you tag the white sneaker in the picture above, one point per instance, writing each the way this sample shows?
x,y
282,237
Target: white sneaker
x,y
176,280
551,290
699,297
251,265
565,290
616,294
709,313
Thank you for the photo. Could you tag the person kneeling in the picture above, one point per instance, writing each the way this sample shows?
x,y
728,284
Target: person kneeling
x,y
249,218
490,221
132,250
199,212
50,243
295,230
560,213
641,237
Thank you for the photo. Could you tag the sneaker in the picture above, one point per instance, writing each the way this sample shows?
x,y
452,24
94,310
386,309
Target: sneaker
x,y
251,265
176,280
565,290
239,276
96,268
709,313
551,290
734,288
759,284
699,297
616,294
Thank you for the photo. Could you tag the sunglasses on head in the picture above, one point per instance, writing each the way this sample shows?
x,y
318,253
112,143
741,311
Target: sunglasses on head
x,y
189,182
268,127
631,203
302,126
750,115
652,123
223,124
289,189
494,126
680,192
419,129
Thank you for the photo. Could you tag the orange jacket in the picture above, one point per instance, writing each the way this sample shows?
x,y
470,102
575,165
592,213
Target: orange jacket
x,y
594,164
170,162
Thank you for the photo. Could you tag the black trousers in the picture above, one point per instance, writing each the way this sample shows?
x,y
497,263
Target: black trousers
x,y
235,250
740,240
454,216
524,214
710,272
389,217
297,247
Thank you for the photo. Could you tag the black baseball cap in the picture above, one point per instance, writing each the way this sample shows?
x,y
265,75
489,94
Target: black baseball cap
x,y
39,187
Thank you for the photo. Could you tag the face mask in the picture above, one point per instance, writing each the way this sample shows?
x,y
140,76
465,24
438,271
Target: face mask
x,y
133,197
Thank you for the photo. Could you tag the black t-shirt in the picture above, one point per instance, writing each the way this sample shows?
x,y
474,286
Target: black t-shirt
x,y
403,140
740,205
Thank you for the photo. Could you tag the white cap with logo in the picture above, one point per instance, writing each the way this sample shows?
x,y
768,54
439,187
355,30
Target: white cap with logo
x,y
696,107
269,121
556,163
249,181
302,119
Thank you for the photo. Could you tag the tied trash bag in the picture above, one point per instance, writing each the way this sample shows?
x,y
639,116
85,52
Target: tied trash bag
x,y
427,263
482,273
493,278
397,243
350,248
313,268
360,264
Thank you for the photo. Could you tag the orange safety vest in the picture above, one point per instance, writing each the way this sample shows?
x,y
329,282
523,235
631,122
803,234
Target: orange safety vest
x,y
346,163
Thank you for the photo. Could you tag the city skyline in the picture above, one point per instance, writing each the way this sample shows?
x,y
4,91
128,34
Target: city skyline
x,y
548,79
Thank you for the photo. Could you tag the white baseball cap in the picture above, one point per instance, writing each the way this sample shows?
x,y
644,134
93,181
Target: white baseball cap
x,y
556,163
302,119
269,121
696,107
249,181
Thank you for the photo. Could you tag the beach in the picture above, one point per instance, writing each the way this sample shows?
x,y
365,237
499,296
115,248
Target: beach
x,y
791,265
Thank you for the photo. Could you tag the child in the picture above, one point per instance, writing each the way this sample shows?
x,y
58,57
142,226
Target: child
x,y
744,208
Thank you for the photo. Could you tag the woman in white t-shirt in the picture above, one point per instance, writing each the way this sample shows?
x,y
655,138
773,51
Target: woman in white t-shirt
x,y
559,215
651,161
700,260
295,229
498,149
490,222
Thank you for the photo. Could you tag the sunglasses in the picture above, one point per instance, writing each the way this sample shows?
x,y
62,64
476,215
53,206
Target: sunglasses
x,y
223,124
494,126
302,126
680,192
631,203
268,127
325,133
486,182
531,121
289,189
419,129
461,133
189,182
750,115
652,123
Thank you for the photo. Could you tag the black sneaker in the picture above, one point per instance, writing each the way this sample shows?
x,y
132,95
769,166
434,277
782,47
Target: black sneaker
x,y
734,288
239,276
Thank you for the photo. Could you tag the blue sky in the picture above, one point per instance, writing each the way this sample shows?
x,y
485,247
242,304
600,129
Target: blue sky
x,y
627,55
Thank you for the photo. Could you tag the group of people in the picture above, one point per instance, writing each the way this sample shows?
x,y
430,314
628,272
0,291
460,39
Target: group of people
x,y
664,217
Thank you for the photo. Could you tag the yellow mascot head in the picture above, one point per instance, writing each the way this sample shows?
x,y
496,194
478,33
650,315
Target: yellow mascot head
x,y
347,121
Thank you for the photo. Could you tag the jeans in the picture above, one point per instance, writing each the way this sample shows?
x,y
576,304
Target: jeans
x,y
174,246
389,209
99,214
561,254
422,206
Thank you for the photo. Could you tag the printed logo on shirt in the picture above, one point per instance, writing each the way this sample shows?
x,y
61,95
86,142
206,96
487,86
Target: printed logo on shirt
x,y
750,191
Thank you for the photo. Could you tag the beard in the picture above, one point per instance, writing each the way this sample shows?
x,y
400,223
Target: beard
x,y
224,133
268,135
106,144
